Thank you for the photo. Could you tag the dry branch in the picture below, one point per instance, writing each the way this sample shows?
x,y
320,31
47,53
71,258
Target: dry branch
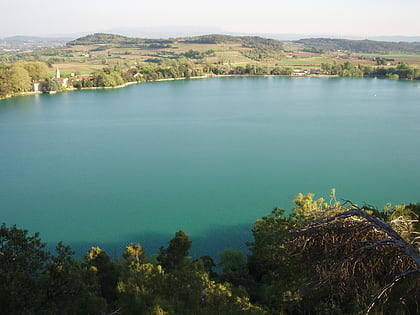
x,y
358,247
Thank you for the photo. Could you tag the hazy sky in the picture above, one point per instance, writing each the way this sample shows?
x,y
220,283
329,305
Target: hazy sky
x,y
350,17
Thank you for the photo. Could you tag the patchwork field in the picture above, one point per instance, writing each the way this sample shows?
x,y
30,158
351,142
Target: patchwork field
x,y
94,52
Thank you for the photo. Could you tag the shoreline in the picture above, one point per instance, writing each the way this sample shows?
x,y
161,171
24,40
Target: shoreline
x,y
176,79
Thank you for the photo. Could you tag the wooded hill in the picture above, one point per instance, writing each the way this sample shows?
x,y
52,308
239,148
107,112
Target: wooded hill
x,y
359,46
312,44
118,40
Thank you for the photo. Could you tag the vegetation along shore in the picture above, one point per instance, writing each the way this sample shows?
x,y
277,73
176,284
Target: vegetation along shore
x,y
107,60
318,258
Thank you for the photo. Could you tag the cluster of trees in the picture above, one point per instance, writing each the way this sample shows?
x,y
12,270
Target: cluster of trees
x,y
262,48
348,69
318,259
360,46
103,38
18,77
34,282
223,69
256,69
328,258
211,39
169,69
184,68
195,54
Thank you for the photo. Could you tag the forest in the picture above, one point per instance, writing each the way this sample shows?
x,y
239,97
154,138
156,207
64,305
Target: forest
x,y
320,257
361,46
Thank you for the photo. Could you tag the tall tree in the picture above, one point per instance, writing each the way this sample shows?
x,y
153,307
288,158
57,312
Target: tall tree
x,y
5,86
20,80
37,70
99,262
22,259
178,249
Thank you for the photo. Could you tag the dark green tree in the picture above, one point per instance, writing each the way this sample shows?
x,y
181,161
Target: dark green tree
x,y
99,262
50,85
22,260
177,251
70,287
5,84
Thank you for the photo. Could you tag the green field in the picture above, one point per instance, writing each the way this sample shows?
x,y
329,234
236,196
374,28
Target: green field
x,y
94,52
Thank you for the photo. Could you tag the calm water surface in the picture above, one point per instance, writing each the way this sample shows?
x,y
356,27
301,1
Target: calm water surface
x,y
110,167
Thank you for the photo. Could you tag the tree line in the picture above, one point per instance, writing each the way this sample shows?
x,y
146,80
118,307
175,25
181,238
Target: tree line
x,y
348,69
318,258
19,77
320,45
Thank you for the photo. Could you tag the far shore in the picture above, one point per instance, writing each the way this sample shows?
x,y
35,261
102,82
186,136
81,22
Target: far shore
x,y
173,79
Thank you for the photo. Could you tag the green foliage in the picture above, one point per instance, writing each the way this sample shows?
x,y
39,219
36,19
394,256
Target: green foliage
x,y
5,84
34,282
22,260
315,259
99,262
102,38
71,288
108,78
20,81
301,267
36,70
232,261
50,85
360,46
315,50
138,288
277,274
263,43
177,251
134,253
281,71
348,69
405,220
17,78
212,39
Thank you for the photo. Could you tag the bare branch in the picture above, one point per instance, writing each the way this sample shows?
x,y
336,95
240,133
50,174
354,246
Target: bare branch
x,y
357,247
388,287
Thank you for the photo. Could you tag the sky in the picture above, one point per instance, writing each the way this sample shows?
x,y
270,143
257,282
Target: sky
x,y
352,17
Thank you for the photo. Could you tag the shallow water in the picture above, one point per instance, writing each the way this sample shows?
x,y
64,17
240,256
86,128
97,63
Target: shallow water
x,y
209,156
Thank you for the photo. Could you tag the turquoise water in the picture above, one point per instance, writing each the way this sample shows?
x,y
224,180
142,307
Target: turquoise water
x,y
210,156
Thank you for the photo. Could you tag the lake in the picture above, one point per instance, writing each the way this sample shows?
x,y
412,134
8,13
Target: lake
x,y
209,156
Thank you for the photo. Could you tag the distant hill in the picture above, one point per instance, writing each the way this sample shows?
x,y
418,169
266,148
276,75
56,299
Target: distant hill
x,y
318,45
32,42
359,46
262,45
102,38
249,41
